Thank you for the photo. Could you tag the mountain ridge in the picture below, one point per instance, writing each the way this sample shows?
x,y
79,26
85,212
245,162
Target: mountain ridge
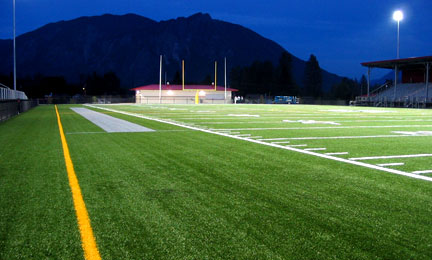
x,y
130,45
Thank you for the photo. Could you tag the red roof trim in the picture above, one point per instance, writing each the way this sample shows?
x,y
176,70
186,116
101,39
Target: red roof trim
x,y
395,61
179,87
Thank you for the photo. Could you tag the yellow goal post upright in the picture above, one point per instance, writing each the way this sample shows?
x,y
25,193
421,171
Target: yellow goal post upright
x,y
198,91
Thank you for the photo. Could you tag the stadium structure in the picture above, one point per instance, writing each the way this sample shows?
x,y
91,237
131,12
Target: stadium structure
x,y
410,87
179,94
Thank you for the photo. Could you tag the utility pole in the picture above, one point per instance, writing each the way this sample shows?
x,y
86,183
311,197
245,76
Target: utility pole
x,y
14,45
225,82
160,80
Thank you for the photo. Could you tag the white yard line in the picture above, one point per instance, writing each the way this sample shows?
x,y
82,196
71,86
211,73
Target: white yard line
x,y
255,137
347,137
337,121
367,165
391,164
422,172
85,133
390,157
243,135
315,149
339,153
326,127
273,139
297,145
281,142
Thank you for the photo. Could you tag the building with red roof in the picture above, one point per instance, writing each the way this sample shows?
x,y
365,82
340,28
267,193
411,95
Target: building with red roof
x,y
177,94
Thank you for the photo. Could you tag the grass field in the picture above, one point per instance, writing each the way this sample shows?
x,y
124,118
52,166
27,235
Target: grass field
x,y
221,182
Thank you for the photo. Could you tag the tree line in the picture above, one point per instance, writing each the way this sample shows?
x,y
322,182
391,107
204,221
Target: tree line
x,y
40,86
263,78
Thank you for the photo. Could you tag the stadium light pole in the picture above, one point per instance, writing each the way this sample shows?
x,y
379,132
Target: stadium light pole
x,y
225,80
215,82
398,16
160,80
14,51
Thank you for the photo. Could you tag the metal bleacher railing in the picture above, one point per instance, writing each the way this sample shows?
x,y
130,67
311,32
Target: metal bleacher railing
x,y
9,94
13,103
404,95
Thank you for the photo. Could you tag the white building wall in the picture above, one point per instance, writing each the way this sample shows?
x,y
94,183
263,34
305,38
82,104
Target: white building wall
x,y
181,97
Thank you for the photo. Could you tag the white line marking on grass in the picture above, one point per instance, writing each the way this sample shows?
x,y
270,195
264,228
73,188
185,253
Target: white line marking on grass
x,y
390,157
297,145
338,121
281,142
273,139
362,164
358,111
243,115
255,137
391,164
416,133
327,127
422,172
85,133
347,137
339,153
311,122
243,135
315,149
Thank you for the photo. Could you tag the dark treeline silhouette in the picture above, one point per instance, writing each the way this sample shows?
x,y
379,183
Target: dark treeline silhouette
x,y
40,86
262,77
312,78
347,89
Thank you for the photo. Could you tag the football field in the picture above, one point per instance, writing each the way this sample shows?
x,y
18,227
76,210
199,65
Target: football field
x,y
216,182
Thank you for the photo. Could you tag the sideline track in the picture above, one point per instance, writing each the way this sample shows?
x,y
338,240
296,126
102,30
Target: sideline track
x,y
367,165
88,240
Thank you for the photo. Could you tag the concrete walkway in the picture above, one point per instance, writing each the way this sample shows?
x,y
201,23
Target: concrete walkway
x,y
108,123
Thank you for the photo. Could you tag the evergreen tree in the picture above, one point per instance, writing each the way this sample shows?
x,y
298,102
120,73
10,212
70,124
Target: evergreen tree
x,y
177,79
284,80
111,84
207,80
363,85
347,89
312,78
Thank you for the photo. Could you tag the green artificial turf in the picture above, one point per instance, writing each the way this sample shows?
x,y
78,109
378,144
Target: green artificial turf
x,y
37,218
182,194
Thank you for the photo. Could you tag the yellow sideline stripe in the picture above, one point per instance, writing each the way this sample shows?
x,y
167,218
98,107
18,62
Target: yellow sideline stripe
x,y
88,241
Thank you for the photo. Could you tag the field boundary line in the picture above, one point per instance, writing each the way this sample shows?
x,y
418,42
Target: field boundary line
x,y
88,240
366,165
391,157
323,127
423,172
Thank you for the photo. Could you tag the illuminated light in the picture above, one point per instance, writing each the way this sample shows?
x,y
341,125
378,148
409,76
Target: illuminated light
x,y
170,92
398,15
202,93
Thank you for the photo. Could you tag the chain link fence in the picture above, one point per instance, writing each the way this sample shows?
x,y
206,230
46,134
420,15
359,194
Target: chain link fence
x,y
10,108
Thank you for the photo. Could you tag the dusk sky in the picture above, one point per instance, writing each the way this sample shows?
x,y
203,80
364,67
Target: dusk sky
x,y
340,33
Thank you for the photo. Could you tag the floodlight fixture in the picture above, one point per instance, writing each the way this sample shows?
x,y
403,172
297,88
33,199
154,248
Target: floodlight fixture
x,y
202,93
170,92
398,16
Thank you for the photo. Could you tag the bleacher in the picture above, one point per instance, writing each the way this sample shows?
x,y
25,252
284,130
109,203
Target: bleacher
x,y
409,95
9,94
412,73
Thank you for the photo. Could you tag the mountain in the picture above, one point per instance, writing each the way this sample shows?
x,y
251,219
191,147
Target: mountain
x,y
130,45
